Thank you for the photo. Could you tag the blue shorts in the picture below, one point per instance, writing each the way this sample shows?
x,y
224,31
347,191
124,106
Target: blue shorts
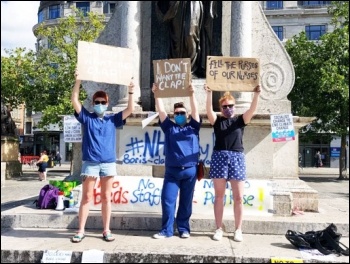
x,y
97,169
229,165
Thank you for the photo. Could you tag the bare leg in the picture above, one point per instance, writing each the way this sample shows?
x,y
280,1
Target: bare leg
x,y
219,187
106,190
86,198
237,189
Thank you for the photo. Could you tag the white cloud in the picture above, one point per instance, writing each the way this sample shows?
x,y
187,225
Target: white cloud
x,y
17,21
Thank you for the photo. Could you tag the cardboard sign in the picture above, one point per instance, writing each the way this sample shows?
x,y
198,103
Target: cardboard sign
x,y
232,73
72,131
172,77
102,63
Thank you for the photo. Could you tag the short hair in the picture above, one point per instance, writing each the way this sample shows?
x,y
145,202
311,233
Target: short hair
x,y
179,105
226,96
101,94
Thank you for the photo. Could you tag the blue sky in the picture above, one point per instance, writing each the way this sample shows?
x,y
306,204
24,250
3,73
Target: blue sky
x,y
17,21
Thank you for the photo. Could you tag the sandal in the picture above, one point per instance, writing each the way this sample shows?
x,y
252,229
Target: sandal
x,y
78,237
107,236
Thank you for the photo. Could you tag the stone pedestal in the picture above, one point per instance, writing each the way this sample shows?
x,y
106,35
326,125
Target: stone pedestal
x,y
10,165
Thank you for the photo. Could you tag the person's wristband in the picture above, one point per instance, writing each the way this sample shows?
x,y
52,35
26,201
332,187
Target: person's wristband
x,y
131,93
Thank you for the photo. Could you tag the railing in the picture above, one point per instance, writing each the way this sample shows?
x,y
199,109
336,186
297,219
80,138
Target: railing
x,y
29,159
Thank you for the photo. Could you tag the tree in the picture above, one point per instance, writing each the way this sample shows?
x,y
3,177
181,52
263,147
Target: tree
x,y
322,79
44,79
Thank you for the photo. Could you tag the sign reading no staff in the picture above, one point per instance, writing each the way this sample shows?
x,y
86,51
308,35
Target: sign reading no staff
x,y
232,73
102,63
172,77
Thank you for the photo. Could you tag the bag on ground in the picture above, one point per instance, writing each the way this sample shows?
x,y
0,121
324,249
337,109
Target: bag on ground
x,y
47,198
327,241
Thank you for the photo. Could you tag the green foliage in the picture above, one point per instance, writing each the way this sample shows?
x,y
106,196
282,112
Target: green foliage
x,y
44,79
322,75
322,79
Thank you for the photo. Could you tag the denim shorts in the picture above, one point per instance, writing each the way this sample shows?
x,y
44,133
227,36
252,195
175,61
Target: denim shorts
x,y
229,165
96,169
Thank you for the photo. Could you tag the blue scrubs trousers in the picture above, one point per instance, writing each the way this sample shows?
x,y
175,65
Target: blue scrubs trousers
x,y
177,179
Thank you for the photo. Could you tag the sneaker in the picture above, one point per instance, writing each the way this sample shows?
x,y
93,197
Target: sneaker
x,y
185,235
238,236
218,234
159,235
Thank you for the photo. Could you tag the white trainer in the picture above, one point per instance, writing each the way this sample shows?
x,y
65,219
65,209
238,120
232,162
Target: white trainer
x,y
185,235
218,234
238,236
159,236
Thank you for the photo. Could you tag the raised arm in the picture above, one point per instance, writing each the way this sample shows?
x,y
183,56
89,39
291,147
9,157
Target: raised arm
x,y
194,104
209,105
130,108
247,116
75,94
159,104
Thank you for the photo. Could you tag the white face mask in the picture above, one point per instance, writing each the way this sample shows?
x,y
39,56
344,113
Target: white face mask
x,y
100,109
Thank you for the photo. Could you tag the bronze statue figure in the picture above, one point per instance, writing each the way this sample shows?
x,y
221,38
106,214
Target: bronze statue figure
x,y
190,29
8,126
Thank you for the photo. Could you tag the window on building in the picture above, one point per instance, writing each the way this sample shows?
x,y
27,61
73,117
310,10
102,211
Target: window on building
x,y
274,4
54,11
108,8
313,3
315,32
41,16
279,31
83,7
28,128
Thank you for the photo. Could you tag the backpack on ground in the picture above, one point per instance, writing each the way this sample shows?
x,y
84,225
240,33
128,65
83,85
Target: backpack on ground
x,y
327,241
48,196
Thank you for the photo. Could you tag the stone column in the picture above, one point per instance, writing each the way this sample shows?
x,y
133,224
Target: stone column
x,y
128,14
241,43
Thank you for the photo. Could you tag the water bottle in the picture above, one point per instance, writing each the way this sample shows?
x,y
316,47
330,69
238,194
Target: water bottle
x,y
71,200
60,203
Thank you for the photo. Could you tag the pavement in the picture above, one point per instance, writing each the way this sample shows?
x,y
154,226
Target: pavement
x,y
29,235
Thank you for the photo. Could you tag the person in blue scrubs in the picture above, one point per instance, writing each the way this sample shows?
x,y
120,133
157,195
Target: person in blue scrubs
x,y
99,148
181,158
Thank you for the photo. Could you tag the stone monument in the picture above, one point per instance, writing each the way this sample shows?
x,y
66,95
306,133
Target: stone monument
x,y
10,165
240,30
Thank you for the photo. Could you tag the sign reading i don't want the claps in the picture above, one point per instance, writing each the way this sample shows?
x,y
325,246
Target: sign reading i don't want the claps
x,y
172,77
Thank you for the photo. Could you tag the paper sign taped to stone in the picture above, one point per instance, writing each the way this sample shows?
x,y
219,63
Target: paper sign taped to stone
x,y
282,127
232,73
72,131
172,77
56,256
103,63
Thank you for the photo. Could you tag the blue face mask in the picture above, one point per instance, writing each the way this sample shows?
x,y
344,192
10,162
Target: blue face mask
x,y
180,120
100,109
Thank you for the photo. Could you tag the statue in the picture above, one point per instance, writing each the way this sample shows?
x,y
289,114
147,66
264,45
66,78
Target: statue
x,y
8,126
190,30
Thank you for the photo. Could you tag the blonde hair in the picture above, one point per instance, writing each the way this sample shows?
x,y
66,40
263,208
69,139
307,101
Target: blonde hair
x,y
227,96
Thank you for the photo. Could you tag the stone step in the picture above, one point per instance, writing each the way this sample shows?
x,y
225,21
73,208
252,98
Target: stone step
x,y
331,211
134,246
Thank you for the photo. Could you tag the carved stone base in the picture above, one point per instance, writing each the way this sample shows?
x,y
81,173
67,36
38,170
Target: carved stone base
x,y
10,165
291,195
